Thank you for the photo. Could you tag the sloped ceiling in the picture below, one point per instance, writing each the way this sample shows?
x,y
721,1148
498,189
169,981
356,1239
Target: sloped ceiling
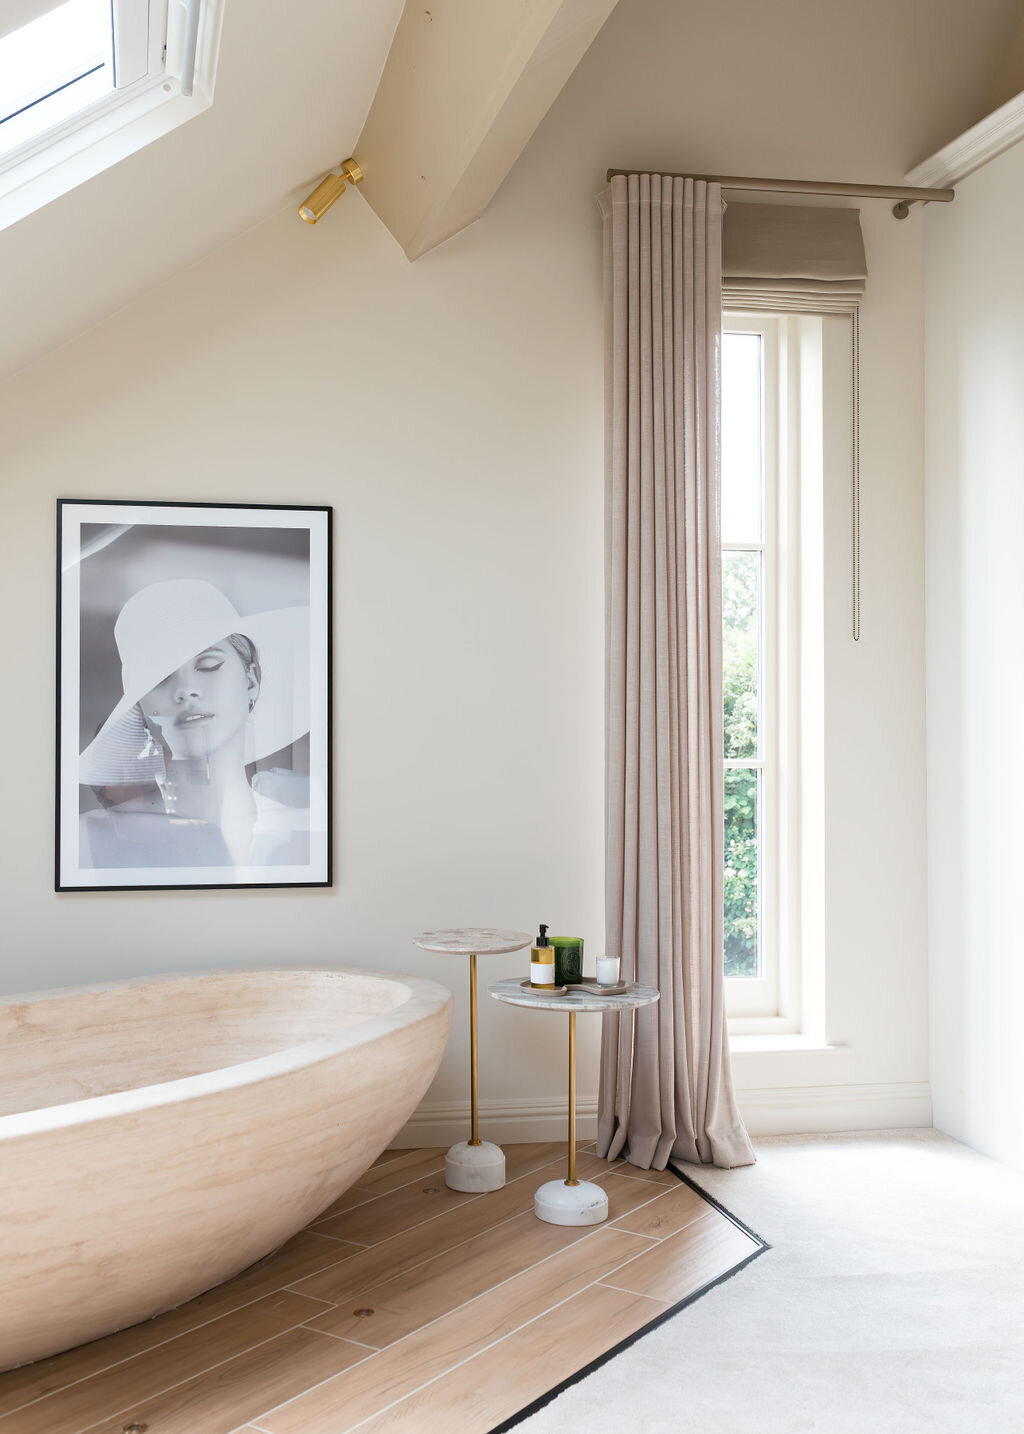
x,y
294,85
297,81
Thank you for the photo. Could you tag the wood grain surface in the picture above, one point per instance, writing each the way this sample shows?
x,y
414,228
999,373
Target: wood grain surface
x,y
406,1308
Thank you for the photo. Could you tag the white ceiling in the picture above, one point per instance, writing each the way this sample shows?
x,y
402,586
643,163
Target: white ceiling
x,y
293,88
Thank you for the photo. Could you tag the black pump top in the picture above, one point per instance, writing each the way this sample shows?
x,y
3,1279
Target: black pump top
x,y
542,939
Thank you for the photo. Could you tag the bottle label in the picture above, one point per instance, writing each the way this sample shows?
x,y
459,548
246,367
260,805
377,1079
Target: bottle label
x,y
542,973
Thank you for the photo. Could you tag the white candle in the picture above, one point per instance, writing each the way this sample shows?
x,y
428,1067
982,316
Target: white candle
x,y
607,970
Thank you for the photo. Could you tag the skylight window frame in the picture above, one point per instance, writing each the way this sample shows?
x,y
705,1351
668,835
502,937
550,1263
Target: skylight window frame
x,y
131,117
140,50
138,54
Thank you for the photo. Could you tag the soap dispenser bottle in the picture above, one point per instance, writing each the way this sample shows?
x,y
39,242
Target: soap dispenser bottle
x,y
542,963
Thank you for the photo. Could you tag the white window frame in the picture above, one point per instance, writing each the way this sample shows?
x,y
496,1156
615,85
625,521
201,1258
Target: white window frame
x,y
149,102
790,672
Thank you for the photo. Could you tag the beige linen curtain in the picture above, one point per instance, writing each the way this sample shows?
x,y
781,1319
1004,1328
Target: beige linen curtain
x,y
665,1083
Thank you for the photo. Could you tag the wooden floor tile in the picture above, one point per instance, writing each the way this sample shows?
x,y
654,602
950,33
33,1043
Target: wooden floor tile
x,y
79,1406
359,1393
221,1399
431,1290
400,1210
386,1155
497,1383
351,1198
706,1248
654,1177
665,1215
524,1159
625,1195
477,1308
413,1246
411,1165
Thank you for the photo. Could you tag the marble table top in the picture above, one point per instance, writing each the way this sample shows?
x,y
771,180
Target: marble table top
x,y
473,941
592,998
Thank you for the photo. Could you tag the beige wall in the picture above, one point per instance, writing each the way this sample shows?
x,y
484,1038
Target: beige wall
x,y
975,506
451,412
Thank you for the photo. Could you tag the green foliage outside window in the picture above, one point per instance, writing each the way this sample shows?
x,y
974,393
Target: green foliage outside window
x,y
740,609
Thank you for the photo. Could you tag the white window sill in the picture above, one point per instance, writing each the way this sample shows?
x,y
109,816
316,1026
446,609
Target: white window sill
x,y
765,1044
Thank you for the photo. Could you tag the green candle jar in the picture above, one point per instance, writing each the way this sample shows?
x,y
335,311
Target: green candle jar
x,y
568,960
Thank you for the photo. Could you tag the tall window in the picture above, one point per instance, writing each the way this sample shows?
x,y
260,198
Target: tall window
x,y
771,547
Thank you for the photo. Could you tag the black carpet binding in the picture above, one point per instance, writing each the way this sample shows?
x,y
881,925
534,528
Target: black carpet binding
x,y
668,1314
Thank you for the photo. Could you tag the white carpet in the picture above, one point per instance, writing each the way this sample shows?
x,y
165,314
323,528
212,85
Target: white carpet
x,y
891,1303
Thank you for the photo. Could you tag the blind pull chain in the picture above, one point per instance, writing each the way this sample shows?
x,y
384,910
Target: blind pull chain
x,y
855,466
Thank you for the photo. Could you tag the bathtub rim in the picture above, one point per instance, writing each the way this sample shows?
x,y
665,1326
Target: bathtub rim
x,y
426,998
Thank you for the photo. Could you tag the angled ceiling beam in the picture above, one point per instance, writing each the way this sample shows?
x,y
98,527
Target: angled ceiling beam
x,y
465,85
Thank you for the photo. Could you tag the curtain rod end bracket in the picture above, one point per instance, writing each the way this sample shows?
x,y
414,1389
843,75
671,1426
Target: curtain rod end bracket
x,y
902,209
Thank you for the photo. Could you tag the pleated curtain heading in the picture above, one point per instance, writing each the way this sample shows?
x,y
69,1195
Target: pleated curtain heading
x,y
792,258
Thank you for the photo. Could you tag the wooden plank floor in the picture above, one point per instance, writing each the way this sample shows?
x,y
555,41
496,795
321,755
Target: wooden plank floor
x,y
406,1308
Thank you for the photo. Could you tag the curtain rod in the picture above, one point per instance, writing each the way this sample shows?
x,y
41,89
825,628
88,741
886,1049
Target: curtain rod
x,y
905,194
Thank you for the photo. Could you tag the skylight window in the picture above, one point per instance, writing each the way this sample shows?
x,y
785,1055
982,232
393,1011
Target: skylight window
x,y
53,67
84,83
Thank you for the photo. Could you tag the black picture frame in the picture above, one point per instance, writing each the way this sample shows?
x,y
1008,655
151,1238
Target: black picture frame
x,y
217,774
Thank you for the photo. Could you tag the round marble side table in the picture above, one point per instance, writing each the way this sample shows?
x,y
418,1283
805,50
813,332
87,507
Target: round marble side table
x,y
572,1201
474,1164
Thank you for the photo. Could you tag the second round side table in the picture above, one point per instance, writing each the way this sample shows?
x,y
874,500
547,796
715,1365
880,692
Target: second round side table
x,y
474,1165
571,1201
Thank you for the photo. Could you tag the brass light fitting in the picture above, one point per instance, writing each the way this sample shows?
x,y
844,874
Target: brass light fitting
x,y
328,190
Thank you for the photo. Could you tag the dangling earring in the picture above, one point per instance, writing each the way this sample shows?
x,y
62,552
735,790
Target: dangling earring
x,y
252,703
150,749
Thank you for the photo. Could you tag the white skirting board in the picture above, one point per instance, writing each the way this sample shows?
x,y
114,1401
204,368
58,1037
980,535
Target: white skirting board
x,y
822,1109
500,1120
781,1110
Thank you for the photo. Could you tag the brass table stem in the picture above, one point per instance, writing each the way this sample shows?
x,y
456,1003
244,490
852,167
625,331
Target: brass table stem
x,y
572,1100
475,1139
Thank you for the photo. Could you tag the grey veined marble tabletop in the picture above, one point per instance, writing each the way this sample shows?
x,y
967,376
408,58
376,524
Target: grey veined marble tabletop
x,y
590,998
472,941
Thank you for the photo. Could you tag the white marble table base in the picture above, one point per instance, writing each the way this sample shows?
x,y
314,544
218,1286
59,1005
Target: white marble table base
x,y
571,1201
473,1165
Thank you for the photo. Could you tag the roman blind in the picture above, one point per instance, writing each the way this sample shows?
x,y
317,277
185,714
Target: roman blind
x,y
792,258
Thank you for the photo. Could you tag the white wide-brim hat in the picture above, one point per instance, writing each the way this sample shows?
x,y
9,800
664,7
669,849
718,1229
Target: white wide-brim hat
x,y
157,631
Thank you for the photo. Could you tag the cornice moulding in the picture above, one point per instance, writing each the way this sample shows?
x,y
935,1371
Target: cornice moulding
x,y
986,140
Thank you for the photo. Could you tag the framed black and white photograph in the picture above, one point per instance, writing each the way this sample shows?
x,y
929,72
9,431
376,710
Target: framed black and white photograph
x,y
193,695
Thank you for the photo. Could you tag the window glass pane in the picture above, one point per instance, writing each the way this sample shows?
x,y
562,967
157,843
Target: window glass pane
x,y
54,67
741,438
742,872
741,655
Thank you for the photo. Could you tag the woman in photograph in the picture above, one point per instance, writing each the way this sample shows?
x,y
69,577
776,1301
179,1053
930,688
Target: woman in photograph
x,y
206,695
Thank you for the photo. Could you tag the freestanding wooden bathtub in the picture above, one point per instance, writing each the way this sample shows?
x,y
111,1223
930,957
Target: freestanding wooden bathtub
x,y
159,1135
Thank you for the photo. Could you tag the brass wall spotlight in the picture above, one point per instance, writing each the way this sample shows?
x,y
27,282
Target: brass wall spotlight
x,y
328,190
